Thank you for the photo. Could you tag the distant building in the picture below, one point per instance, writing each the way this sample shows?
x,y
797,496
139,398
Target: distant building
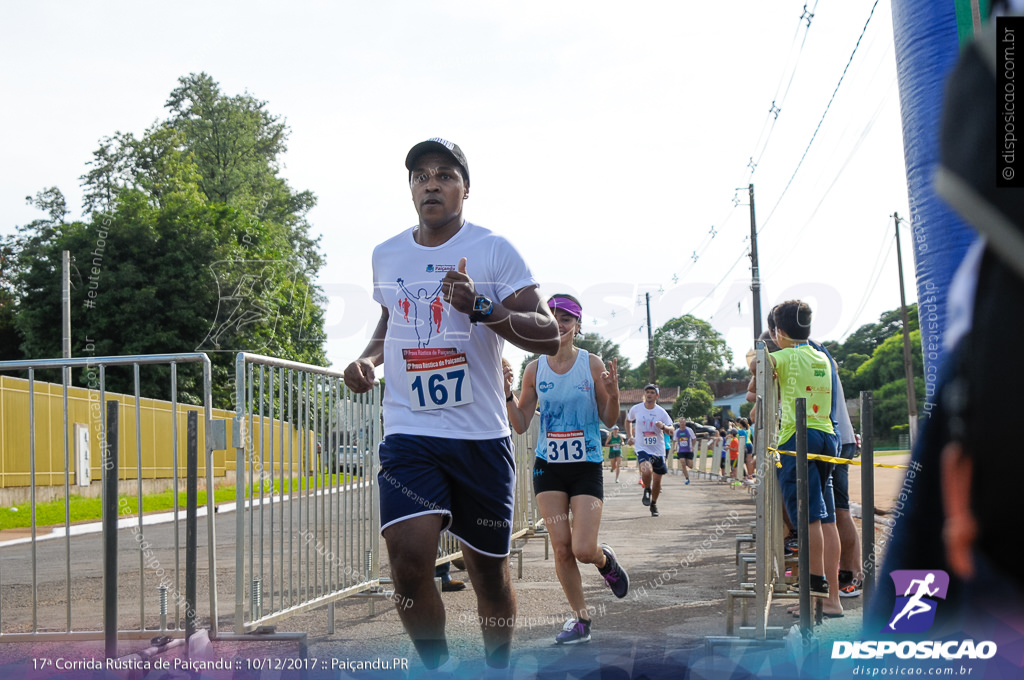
x,y
732,402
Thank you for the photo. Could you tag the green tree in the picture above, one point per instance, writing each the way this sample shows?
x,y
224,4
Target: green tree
x,y
865,340
693,346
889,408
178,254
886,364
10,336
693,402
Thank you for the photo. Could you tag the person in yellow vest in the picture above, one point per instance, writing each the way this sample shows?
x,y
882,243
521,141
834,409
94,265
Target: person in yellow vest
x,y
806,372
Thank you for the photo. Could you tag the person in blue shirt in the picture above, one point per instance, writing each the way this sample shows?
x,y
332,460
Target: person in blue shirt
x,y
575,392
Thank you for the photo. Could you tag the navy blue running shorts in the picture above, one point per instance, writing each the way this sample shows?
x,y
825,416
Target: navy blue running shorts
x,y
657,462
472,483
821,501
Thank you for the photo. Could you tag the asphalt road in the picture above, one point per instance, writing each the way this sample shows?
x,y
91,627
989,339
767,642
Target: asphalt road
x,y
297,552
680,564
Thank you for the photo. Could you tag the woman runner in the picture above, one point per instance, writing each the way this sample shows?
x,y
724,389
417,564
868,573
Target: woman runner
x,y
575,390
615,451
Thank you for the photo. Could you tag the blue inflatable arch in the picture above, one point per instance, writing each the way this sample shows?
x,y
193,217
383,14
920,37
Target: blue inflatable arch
x,y
927,36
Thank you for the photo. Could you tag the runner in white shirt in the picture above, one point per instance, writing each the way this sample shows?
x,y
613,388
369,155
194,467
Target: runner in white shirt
x,y
647,423
446,459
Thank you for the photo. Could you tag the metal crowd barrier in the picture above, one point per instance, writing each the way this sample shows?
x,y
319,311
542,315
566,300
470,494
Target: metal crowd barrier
x,y
67,614
308,522
707,457
769,531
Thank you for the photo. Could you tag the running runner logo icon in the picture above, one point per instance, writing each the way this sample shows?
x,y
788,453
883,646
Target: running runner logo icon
x,y
914,611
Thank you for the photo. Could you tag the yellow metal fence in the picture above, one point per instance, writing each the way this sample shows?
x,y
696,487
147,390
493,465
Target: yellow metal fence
x,y
85,410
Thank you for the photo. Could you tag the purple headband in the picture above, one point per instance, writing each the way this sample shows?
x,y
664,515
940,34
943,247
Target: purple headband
x,y
567,305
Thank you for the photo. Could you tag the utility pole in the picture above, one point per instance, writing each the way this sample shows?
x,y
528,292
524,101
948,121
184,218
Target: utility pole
x,y
755,281
650,344
908,367
65,286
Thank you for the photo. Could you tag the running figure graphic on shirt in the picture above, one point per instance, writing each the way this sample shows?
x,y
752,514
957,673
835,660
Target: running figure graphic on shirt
x,y
435,312
413,300
914,604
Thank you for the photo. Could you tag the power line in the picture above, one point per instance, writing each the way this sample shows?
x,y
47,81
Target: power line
x,y
876,271
745,253
856,147
778,102
825,113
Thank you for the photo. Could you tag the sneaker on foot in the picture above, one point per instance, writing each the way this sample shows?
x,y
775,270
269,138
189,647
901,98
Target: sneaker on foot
x,y
850,589
574,632
654,510
614,575
687,480
646,500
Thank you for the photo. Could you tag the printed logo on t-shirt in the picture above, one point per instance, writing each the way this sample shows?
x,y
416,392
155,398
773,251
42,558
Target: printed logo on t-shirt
x,y
545,386
422,308
440,268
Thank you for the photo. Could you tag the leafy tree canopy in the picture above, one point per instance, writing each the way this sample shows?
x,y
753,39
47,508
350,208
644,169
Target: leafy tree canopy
x,y
692,344
192,241
693,402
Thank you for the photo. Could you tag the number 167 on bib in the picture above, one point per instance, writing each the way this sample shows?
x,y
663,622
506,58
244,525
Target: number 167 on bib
x,y
439,384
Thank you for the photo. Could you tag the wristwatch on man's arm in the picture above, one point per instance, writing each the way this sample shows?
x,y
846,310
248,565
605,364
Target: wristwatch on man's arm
x,y
482,308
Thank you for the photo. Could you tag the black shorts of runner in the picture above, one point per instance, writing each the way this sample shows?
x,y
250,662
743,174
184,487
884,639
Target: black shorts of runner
x,y
841,478
688,455
614,453
657,462
574,479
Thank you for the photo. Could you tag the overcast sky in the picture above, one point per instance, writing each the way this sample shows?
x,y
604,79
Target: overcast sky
x,y
604,139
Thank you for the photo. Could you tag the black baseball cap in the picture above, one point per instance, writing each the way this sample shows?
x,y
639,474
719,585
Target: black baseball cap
x,y
442,146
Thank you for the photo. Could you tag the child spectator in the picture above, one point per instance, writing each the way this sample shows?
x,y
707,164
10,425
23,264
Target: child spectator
x,y
805,372
734,448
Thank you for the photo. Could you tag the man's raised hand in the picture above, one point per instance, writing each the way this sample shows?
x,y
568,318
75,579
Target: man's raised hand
x,y
458,289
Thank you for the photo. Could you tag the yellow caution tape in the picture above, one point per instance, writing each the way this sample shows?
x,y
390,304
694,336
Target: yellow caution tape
x,y
833,459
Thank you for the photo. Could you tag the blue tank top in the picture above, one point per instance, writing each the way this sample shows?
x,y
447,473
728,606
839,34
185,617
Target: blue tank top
x,y
569,428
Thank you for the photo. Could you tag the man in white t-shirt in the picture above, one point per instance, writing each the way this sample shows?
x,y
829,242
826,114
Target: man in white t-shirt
x,y
451,293
648,423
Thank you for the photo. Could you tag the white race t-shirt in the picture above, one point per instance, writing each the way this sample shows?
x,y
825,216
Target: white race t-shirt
x,y
443,374
647,437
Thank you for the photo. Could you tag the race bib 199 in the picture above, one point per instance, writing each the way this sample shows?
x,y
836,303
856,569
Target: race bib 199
x,y
650,438
566,447
437,378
